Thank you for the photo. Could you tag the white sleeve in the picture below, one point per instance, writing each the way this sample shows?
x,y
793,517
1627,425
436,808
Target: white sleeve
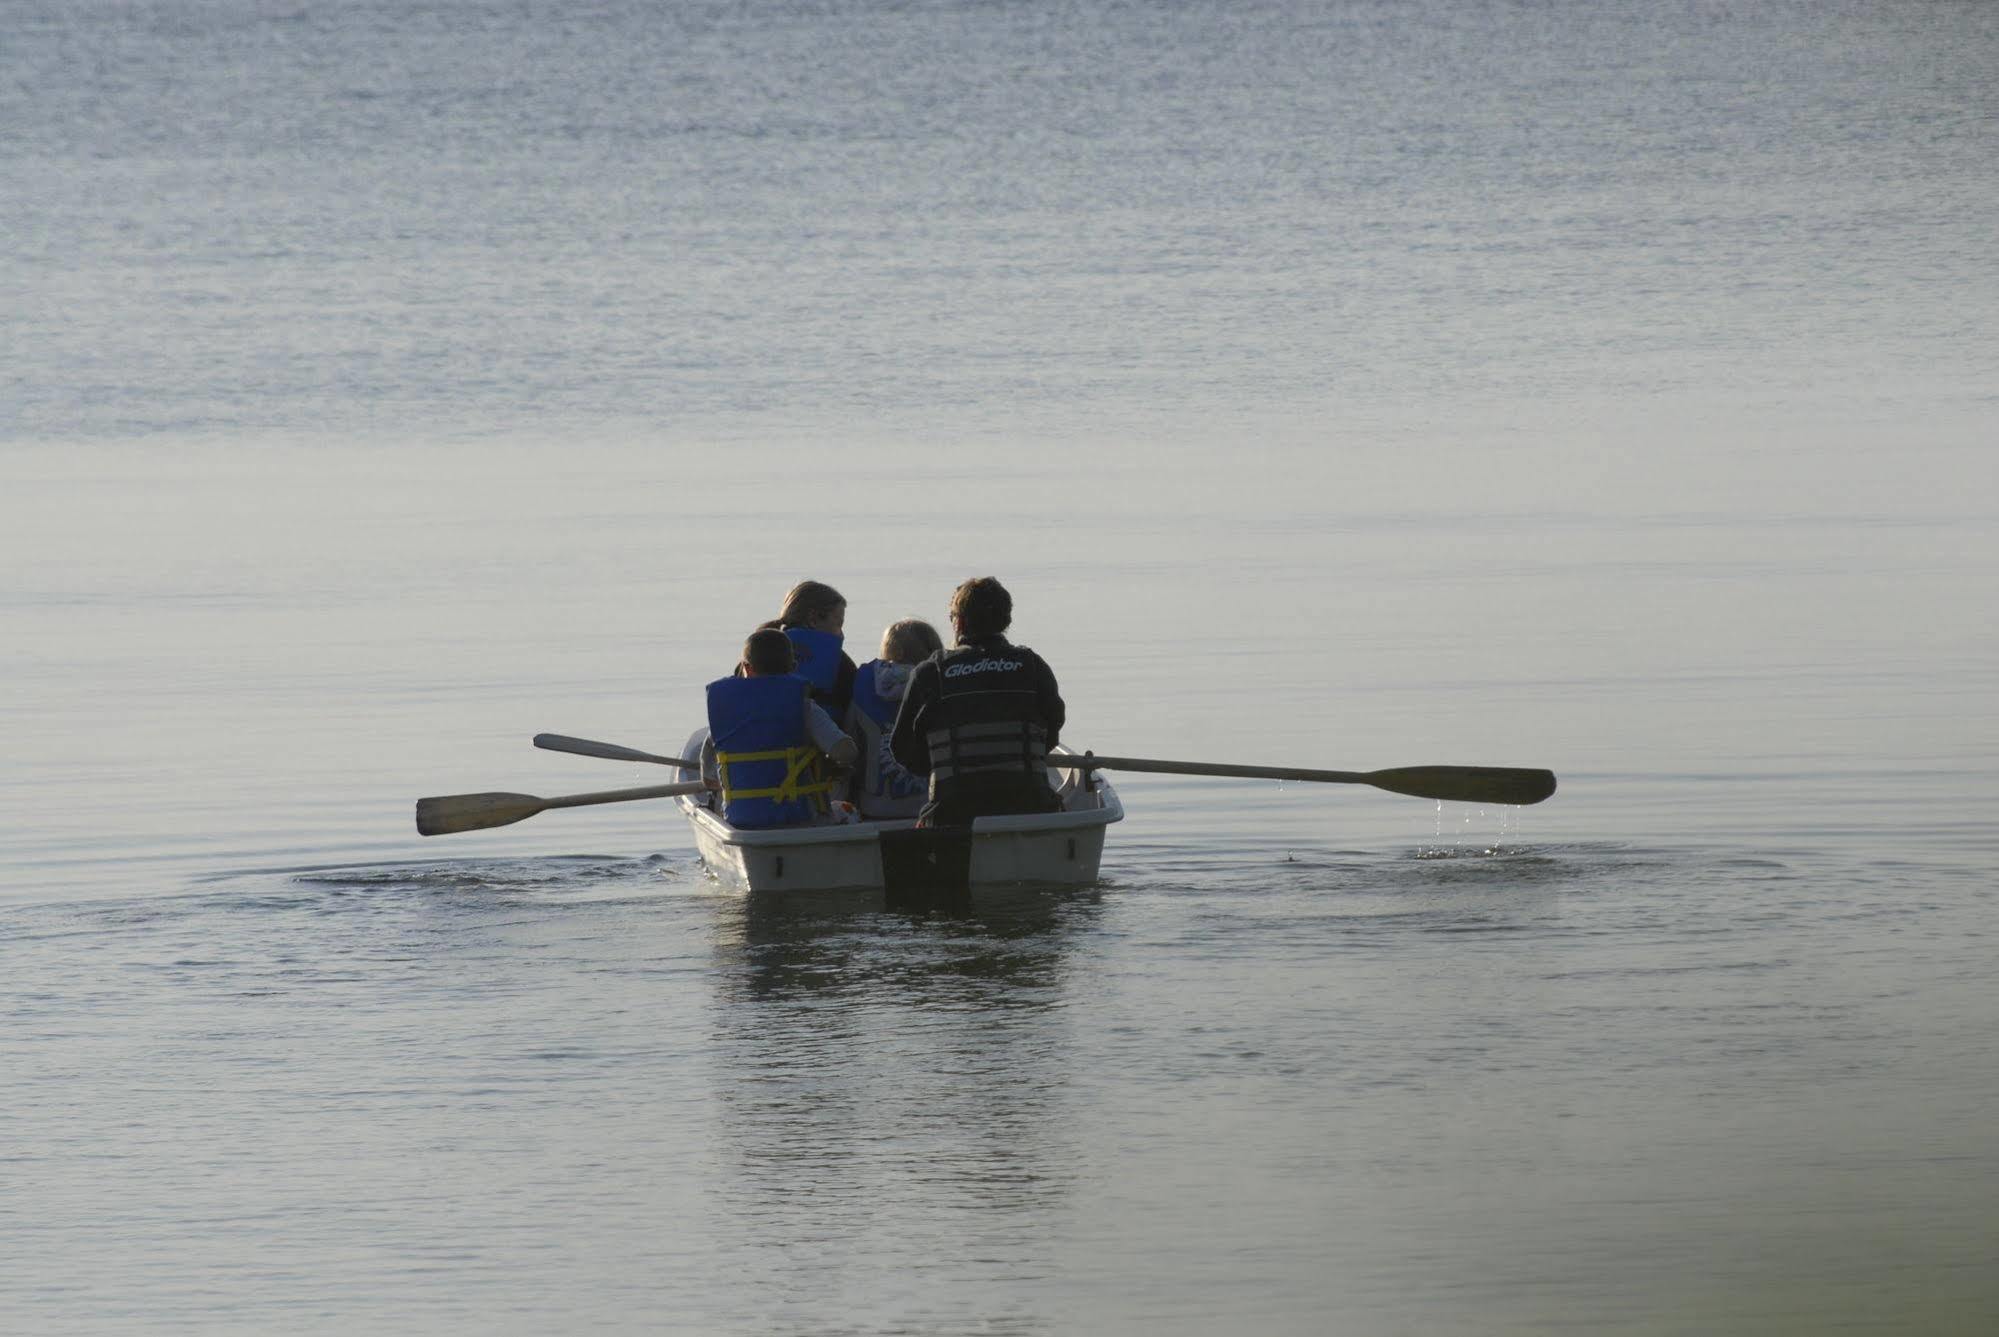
x,y
826,735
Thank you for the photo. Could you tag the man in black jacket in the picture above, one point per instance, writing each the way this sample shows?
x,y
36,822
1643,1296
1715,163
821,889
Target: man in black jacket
x,y
979,717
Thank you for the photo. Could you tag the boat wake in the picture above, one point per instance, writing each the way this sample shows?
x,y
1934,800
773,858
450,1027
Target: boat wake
x,y
566,879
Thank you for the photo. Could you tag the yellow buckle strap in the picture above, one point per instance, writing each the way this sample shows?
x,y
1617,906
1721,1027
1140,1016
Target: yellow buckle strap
x,y
799,763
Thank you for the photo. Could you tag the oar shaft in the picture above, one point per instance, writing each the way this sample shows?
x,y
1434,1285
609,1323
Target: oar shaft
x,y
1071,762
1451,784
625,795
585,747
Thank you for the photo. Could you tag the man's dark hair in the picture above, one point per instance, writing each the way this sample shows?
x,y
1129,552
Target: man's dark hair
x,y
768,652
982,607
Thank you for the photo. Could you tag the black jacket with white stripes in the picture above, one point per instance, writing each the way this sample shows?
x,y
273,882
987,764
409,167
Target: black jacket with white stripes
x,y
978,719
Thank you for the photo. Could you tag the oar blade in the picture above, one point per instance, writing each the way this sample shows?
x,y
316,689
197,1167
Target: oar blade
x,y
1467,784
473,812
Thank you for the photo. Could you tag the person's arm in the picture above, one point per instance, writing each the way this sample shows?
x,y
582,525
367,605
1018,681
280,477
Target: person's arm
x,y
1053,713
906,742
830,738
711,769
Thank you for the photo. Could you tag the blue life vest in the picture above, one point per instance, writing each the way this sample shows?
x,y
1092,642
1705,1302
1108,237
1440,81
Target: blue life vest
x,y
818,656
768,764
883,786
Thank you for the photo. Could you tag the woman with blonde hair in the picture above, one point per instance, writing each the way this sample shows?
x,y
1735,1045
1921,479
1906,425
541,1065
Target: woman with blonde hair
x,y
883,787
814,616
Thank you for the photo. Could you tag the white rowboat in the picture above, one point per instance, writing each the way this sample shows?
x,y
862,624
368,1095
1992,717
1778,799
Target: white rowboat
x,y
1063,847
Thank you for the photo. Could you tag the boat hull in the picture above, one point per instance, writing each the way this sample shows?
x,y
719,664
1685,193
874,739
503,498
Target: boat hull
x,y
1062,848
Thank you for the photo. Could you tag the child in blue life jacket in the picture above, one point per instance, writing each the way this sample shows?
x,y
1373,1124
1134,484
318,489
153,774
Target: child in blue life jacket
x,y
766,738
883,786
814,616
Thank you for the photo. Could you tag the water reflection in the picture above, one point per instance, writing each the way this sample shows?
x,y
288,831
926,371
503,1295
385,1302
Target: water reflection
x,y
1004,947
894,1089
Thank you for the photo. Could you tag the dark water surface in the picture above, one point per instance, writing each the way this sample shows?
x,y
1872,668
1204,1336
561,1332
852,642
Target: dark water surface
x,y
1606,388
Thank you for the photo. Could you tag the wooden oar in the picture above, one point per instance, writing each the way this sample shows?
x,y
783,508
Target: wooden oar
x,y
474,812
583,747
1453,784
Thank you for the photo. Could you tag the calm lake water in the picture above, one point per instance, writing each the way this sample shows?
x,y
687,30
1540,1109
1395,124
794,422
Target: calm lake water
x,y
1605,388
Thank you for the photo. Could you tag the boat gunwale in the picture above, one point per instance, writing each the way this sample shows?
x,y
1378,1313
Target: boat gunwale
x,y
1110,808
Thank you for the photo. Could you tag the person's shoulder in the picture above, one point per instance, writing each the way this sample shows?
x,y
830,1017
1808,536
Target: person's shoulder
x,y
1028,653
